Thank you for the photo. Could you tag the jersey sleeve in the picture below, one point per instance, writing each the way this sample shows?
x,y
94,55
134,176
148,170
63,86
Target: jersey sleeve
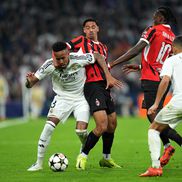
x,y
82,59
46,69
89,59
167,68
86,59
148,35
75,43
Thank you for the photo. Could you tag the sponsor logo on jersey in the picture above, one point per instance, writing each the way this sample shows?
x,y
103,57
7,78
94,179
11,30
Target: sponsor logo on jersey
x,y
68,77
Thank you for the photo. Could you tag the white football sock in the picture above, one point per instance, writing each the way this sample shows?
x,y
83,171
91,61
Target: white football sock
x,y
166,145
154,147
84,155
44,140
107,156
82,135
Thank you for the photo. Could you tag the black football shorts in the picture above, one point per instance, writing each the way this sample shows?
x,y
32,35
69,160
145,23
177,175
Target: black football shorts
x,y
150,91
98,97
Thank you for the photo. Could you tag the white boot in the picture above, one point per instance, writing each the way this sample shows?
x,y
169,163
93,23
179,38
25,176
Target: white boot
x,y
35,167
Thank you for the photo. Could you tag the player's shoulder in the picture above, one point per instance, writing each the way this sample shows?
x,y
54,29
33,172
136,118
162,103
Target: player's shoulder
x,y
48,64
175,57
172,59
80,36
163,27
148,32
77,38
46,68
103,44
148,28
75,42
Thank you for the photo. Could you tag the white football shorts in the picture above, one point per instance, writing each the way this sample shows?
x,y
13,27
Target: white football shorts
x,y
62,108
170,114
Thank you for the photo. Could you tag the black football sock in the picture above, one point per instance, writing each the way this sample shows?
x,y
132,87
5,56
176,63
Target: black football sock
x,y
91,141
164,137
107,139
173,135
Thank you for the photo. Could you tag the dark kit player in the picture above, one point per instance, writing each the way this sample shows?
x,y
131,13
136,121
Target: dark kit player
x,y
98,97
155,45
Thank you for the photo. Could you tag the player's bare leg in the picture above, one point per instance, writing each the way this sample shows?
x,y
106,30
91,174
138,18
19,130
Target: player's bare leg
x,y
108,138
101,122
82,133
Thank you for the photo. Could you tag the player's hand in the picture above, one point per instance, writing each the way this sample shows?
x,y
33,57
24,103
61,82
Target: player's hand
x,y
152,109
30,75
113,82
29,78
128,68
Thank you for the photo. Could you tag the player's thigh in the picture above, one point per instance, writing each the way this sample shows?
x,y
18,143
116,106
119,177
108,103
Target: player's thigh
x,y
158,126
110,106
60,108
100,118
169,115
81,111
150,91
95,96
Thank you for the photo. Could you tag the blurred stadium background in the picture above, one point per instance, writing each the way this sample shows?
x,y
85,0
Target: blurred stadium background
x,y
29,27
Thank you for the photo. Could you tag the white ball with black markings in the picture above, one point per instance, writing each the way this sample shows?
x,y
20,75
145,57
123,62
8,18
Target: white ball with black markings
x,y
58,162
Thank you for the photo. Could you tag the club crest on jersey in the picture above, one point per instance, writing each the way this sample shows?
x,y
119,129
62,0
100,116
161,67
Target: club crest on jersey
x,y
97,102
75,66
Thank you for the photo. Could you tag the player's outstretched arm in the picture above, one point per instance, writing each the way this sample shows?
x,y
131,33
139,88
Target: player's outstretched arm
x,y
128,68
111,81
31,80
134,51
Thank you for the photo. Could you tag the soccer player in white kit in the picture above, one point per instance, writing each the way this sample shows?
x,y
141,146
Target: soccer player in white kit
x,y
172,112
68,78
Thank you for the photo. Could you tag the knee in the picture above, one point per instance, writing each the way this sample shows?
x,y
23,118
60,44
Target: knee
x,y
100,129
158,126
80,125
112,126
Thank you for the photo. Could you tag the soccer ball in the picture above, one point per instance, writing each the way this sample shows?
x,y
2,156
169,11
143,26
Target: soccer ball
x,y
58,162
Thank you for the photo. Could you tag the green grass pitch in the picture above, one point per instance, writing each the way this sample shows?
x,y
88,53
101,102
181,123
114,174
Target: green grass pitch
x,y
18,148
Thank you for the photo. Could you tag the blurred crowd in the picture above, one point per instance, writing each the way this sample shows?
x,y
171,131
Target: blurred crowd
x,y
29,27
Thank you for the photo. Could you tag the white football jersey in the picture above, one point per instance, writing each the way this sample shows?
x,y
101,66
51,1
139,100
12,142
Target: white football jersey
x,y
173,67
70,80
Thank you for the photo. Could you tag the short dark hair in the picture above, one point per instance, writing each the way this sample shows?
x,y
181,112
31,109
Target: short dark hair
x,y
90,19
178,40
59,46
168,15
